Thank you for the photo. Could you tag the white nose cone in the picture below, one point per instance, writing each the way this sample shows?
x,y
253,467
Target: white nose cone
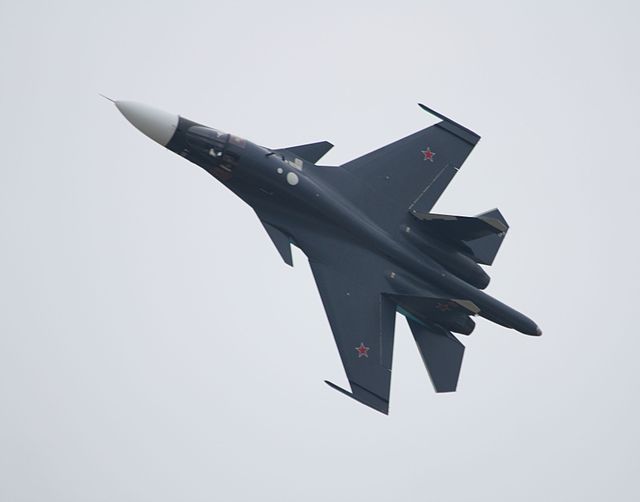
x,y
157,124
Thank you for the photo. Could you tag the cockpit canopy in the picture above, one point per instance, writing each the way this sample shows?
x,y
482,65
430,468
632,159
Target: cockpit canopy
x,y
207,140
212,150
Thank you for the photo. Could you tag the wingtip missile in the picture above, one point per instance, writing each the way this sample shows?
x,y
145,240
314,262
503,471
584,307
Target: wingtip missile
x,y
363,396
453,127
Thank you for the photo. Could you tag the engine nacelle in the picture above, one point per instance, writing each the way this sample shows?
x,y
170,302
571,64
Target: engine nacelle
x,y
459,324
450,258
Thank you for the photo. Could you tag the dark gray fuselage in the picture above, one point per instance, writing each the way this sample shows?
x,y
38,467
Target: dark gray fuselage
x,y
264,178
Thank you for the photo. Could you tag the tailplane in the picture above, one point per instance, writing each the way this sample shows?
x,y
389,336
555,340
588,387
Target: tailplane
x,y
441,353
431,321
479,237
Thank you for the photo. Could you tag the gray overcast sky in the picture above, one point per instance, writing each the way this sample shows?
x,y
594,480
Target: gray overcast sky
x,y
153,346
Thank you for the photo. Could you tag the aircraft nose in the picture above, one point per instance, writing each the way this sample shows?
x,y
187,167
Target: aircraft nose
x,y
158,125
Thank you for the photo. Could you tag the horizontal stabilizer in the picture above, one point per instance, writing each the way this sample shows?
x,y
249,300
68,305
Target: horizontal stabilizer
x,y
441,353
480,237
311,152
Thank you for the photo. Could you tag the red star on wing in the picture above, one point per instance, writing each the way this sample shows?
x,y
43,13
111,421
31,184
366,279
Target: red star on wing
x,y
428,154
362,350
443,307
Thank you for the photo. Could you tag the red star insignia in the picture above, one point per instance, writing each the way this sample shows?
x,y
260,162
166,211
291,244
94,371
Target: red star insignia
x,y
362,350
443,307
428,154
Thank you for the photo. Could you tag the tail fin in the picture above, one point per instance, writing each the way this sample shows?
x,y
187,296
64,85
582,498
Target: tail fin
x,y
441,352
480,237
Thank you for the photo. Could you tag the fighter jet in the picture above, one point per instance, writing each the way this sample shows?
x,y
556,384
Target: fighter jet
x,y
373,244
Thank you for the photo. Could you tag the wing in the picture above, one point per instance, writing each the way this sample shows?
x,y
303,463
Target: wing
x,y
414,171
355,290
362,321
351,280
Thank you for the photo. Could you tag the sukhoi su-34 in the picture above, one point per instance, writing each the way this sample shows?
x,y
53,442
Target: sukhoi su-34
x,y
374,246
